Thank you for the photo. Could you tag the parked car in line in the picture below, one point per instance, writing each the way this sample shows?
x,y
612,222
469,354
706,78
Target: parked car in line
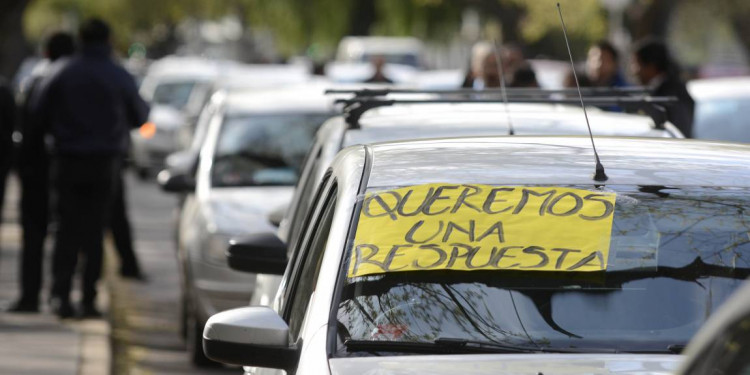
x,y
416,256
722,346
248,165
176,88
394,50
413,121
722,108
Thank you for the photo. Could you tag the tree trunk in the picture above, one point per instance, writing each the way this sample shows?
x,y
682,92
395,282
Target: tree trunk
x,y
13,47
652,19
362,17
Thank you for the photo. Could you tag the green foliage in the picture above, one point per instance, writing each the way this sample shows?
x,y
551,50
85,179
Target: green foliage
x,y
298,24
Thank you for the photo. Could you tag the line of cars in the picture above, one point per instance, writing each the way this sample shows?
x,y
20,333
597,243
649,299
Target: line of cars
x,y
675,225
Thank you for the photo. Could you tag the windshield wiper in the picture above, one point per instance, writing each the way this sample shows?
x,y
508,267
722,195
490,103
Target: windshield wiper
x,y
440,345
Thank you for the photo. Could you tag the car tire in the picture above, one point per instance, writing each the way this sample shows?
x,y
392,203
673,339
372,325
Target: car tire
x,y
194,341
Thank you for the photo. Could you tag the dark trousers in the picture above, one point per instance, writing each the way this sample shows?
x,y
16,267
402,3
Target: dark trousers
x,y
85,188
34,219
121,231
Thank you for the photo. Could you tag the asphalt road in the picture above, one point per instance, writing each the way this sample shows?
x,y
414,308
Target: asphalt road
x,y
145,315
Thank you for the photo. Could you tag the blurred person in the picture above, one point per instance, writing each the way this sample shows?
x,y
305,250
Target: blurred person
x,y
88,107
512,59
603,67
479,52
33,169
570,79
7,125
524,76
654,67
122,234
490,72
378,63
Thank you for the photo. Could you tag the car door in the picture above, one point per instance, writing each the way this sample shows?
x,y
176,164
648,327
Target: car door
x,y
298,286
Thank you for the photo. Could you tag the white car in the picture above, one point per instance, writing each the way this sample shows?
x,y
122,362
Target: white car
x,y
500,255
722,108
248,165
394,50
412,121
176,88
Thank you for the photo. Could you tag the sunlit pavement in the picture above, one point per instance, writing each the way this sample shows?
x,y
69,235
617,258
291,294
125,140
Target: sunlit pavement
x,y
140,331
145,315
41,344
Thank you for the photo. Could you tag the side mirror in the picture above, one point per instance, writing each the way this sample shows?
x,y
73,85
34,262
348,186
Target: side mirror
x,y
260,253
249,336
175,183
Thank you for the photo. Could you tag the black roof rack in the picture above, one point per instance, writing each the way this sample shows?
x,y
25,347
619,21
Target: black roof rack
x,y
511,91
653,106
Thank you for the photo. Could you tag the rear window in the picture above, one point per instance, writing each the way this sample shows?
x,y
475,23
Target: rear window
x,y
722,119
552,268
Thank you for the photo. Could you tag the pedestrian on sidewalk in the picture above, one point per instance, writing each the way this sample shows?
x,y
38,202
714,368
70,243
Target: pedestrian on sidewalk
x,y
88,107
33,169
654,67
7,124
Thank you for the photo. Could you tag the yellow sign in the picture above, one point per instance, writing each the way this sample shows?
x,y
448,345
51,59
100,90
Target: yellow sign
x,y
482,227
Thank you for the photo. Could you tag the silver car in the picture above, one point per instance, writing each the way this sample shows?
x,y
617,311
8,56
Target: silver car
x,y
404,122
417,256
248,165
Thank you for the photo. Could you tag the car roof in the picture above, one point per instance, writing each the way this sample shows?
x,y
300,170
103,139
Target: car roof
x,y
456,120
559,160
293,98
728,87
521,115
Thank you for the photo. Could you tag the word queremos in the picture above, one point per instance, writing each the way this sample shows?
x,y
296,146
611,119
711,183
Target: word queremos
x,y
482,227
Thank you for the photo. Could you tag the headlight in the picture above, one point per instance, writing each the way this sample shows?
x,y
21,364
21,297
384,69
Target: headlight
x,y
216,249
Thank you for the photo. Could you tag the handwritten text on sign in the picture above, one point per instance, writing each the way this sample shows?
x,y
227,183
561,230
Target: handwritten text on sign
x,y
482,227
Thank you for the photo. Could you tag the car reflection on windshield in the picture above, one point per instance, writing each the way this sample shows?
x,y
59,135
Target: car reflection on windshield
x,y
675,255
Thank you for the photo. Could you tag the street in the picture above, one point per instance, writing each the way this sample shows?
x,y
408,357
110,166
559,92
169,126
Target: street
x,y
145,315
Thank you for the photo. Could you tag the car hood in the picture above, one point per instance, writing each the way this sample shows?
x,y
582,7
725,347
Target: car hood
x,y
516,364
238,211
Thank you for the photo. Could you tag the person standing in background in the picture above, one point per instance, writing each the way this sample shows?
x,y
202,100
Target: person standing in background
x,y
7,125
603,66
654,67
33,169
88,107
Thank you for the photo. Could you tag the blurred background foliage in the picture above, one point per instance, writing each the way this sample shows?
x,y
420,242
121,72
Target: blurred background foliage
x,y
314,27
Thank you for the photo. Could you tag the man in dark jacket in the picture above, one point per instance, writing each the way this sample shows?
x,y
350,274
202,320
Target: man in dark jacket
x,y
88,107
7,123
33,168
655,68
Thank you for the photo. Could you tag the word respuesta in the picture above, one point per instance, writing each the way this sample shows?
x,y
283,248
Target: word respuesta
x,y
482,227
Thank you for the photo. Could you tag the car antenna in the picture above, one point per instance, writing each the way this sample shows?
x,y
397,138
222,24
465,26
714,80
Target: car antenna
x,y
504,93
599,175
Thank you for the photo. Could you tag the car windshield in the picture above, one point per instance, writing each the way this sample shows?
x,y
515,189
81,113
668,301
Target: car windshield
x,y
263,149
393,58
173,94
722,119
491,264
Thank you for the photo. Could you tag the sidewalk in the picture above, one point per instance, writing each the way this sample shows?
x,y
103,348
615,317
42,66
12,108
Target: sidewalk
x,y
41,344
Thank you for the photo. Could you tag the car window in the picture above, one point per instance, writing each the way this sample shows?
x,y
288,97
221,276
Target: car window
x,y
493,264
304,194
173,94
729,353
722,119
306,275
254,150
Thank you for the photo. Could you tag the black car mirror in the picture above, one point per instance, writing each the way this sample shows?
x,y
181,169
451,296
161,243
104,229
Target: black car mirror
x,y
175,183
260,253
